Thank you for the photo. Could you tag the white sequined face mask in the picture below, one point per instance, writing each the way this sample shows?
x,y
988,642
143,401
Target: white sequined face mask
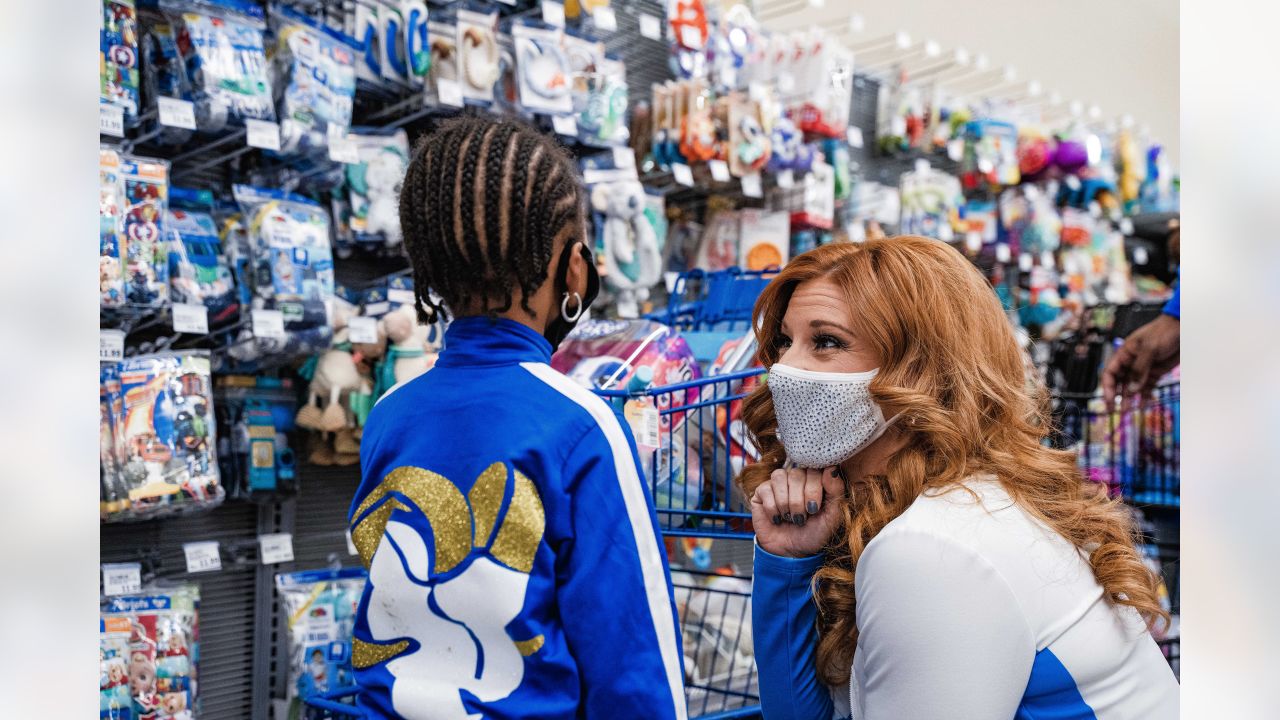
x,y
824,418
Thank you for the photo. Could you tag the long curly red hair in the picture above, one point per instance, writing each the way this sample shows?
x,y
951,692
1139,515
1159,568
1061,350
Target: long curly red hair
x,y
950,364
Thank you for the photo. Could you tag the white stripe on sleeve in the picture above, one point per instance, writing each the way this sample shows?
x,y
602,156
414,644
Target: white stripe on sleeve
x,y
638,512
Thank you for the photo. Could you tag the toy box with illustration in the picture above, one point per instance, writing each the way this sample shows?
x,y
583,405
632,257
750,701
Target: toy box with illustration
x,y
320,610
148,654
166,430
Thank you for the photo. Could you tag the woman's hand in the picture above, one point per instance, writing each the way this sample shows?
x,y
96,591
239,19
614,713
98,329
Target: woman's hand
x,y
796,511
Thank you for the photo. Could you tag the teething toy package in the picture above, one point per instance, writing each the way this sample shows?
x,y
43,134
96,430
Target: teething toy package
x,y
373,186
319,80
292,260
320,610
225,59
148,654
601,112
133,255
442,40
766,239
478,62
167,433
118,57
542,67
198,271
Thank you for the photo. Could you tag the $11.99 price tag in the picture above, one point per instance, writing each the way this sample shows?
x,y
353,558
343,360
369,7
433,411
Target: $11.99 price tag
x,y
121,578
202,556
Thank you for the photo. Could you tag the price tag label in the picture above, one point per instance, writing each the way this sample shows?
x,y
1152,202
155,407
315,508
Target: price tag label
x,y
275,548
854,137
553,13
202,556
342,149
362,330
1003,254
110,345
690,37
719,170
1095,209
786,179
973,241
751,186
669,279
605,19
642,416
650,27
121,578
758,91
351,546
450,92
400,296
262,134
1126,226
1046,259
1140,256
268,324
111,120
623,158
177,113
189,318
683,173
1025,262
565,125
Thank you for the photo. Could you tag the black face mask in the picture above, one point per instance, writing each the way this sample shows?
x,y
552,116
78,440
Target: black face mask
x,y
559,327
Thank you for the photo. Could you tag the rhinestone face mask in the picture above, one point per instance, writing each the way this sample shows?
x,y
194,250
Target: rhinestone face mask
x,y
824,418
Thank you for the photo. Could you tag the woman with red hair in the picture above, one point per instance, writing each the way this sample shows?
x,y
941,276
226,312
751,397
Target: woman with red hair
x,y
921,553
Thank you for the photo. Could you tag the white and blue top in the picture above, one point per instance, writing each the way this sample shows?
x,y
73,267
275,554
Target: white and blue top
x,y
968,609
515,567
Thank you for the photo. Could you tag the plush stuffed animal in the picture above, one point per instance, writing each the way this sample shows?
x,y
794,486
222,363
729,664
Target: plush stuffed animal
x,y
334,377
410,352
632,259
383,176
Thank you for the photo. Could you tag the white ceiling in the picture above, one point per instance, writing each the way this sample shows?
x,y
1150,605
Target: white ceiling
x,y
1121,55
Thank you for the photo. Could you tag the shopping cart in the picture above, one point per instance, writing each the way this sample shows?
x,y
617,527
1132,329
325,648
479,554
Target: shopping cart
x,y
1134,450
714,301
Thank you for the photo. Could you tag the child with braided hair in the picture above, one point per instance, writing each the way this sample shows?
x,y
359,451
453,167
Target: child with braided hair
x,y
515,568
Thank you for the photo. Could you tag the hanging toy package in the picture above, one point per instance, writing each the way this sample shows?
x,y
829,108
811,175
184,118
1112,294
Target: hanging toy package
x,y
320,87
148,654
118,58
292,261
748,137
442,41
198,271
477,55
111,242
601,117
542,68
134,198
990,156
632,253
394,60
373,186
167,433
320,610
930,203
417,51
226,62
115,494
164,72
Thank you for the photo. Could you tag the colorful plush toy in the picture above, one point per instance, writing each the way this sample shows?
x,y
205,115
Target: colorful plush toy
x,y
334,378
411,349
632,258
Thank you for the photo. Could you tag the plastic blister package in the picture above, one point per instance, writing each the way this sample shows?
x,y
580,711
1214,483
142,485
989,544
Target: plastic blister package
x,y
133,252
320,611
118,57
198,269
373,186
148,654
317,70
164,435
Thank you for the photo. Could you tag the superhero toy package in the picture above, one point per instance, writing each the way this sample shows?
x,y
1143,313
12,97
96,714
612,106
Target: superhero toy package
x,y
148,653
320,608
167,435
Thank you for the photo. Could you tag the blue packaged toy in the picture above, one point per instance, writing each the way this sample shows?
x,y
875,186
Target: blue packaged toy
x,y
118,57
167,434
133,259
292,261
164,74
198,270
110,226
320,84
320,609
148,654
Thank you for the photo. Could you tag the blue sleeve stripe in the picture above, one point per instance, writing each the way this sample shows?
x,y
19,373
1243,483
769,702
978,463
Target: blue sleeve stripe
x,y
651,565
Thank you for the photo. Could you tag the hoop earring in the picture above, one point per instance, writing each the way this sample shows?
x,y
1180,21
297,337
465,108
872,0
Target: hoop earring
x,y
564,308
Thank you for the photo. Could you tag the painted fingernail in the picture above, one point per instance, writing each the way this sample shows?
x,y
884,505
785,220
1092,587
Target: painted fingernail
x,y
777,519
812,507
786,517
798,520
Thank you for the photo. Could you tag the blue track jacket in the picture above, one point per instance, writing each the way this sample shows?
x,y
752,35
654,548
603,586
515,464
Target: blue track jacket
x,y
515,568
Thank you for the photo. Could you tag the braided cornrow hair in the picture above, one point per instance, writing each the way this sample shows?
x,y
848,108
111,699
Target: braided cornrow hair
x,y
484,205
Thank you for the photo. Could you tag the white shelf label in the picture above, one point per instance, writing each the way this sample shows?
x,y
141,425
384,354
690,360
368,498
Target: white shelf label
x,y
400,296
268,324
177,113
605,19
275,548
650,27
719,170
362,330
669,279
786,179
110,345
1140,256
450,92
973,241
553,13
262,134
683,174
623,158
1003,254
955,150
1126,226
202,556
190,318
854,136
111,120
751,186
342,149
691,37
121,578
1025,262
1046,259
565,125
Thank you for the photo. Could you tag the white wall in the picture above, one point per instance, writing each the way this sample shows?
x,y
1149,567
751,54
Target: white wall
x,y
1119,54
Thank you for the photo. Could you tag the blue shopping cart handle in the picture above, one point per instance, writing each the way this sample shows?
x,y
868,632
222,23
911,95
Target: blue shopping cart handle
x,y
329,701
688,385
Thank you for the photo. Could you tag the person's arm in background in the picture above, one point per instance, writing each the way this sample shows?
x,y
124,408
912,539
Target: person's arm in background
x,y
614,587
1147,354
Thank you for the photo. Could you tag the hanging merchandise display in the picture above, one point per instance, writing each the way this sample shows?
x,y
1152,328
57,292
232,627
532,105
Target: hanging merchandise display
x,y
319,607
442,39
373,186
764,237
118,58
198,269
255,417
931,201
133,263
544,73
631,249
319,81
477,48
148,652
